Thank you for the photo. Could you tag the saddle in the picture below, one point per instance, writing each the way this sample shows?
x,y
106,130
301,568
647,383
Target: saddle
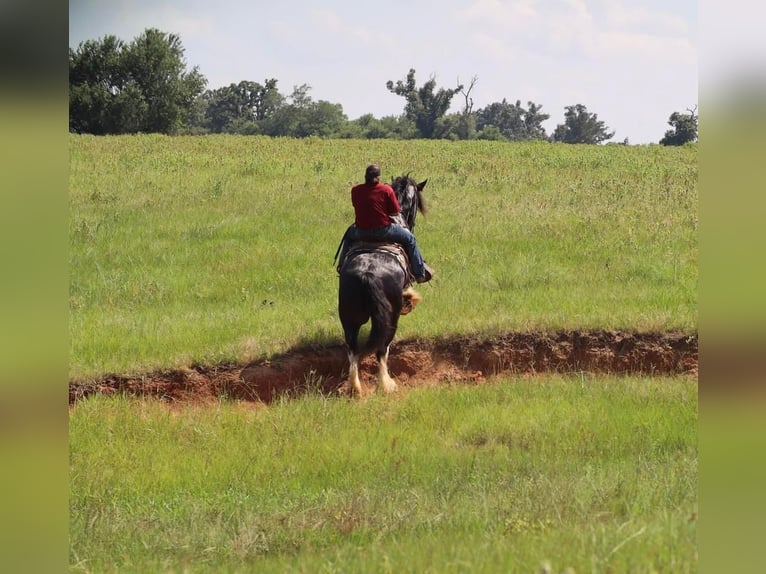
x,y
410,297
399,253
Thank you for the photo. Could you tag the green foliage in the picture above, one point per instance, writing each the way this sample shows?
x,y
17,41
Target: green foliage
x,y
424,107
594,474
581,127
249,108
459,126
387,127
141,87
491,133
684,130
399,127
513,122
369,127
96,83
238,108
304,117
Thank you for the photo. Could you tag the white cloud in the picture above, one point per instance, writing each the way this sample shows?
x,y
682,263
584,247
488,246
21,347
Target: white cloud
x,y
509,15
282,29
329,21
492,47
167,18
643,47
597,32
641,18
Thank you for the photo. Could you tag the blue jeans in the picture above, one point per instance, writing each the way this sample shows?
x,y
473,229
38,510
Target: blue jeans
x,y
394,233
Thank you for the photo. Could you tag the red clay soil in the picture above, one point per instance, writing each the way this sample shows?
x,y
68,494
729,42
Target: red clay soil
x,y
413,363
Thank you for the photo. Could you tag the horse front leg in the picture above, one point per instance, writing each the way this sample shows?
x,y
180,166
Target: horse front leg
x,y
384,378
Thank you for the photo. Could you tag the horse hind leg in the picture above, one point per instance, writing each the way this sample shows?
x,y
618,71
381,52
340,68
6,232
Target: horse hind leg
x,y
385,381
353,373
351,333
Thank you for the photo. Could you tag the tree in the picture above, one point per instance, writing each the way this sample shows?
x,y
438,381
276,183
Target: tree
x,y
533,122
222,107
512,121
369,127
399,127
461,125
452,127
284,122
684,126
505,117
239,107
490,133
155,61
266,99
466,128
304,117
323,119
140,87
580,126
96,80
423,107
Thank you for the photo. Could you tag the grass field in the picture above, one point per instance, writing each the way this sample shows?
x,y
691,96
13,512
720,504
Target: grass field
x,y
593,473
202,250
219,249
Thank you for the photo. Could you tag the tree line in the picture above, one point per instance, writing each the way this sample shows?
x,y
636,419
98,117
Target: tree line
x,y
145,86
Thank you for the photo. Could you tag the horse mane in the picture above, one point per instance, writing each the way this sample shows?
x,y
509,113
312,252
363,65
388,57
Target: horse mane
x,y
410,196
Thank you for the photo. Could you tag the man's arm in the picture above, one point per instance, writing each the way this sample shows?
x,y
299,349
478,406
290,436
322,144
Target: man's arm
x,y
398,219
394,208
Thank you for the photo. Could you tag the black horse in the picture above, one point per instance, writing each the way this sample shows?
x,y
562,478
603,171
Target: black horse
x,y
374,284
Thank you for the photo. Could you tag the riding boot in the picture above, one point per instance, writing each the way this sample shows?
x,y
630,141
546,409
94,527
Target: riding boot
x,y
427,274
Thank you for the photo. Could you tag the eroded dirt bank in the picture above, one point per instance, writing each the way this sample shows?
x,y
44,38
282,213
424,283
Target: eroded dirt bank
x,y
415,362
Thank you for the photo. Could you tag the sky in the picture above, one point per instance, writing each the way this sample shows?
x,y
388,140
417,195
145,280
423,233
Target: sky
x,y
631,62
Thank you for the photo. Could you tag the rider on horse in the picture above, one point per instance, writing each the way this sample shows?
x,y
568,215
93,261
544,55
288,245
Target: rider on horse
x,y
375,203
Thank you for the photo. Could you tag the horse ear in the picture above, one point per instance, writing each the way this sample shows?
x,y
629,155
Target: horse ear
x,y
422,184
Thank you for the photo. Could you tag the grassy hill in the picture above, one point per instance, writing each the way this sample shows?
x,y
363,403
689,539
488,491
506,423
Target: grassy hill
x,y
220,248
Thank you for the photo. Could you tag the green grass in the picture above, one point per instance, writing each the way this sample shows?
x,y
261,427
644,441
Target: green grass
x,y
594,473
219,249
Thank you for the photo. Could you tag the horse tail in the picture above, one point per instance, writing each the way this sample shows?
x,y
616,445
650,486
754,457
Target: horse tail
x,y
381,317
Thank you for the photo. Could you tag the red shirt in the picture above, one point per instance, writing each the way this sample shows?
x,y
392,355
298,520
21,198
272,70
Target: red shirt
x,y
373,203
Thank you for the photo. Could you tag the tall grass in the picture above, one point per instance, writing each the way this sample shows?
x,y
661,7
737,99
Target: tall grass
x,y
597,474
208,249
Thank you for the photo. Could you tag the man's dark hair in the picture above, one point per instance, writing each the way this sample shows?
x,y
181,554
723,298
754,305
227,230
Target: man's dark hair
x,y
372,173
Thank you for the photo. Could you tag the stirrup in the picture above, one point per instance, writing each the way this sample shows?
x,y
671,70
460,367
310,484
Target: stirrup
x,y
428,274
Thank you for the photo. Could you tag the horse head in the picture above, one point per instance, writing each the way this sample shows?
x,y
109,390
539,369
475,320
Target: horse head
x,y
410,196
